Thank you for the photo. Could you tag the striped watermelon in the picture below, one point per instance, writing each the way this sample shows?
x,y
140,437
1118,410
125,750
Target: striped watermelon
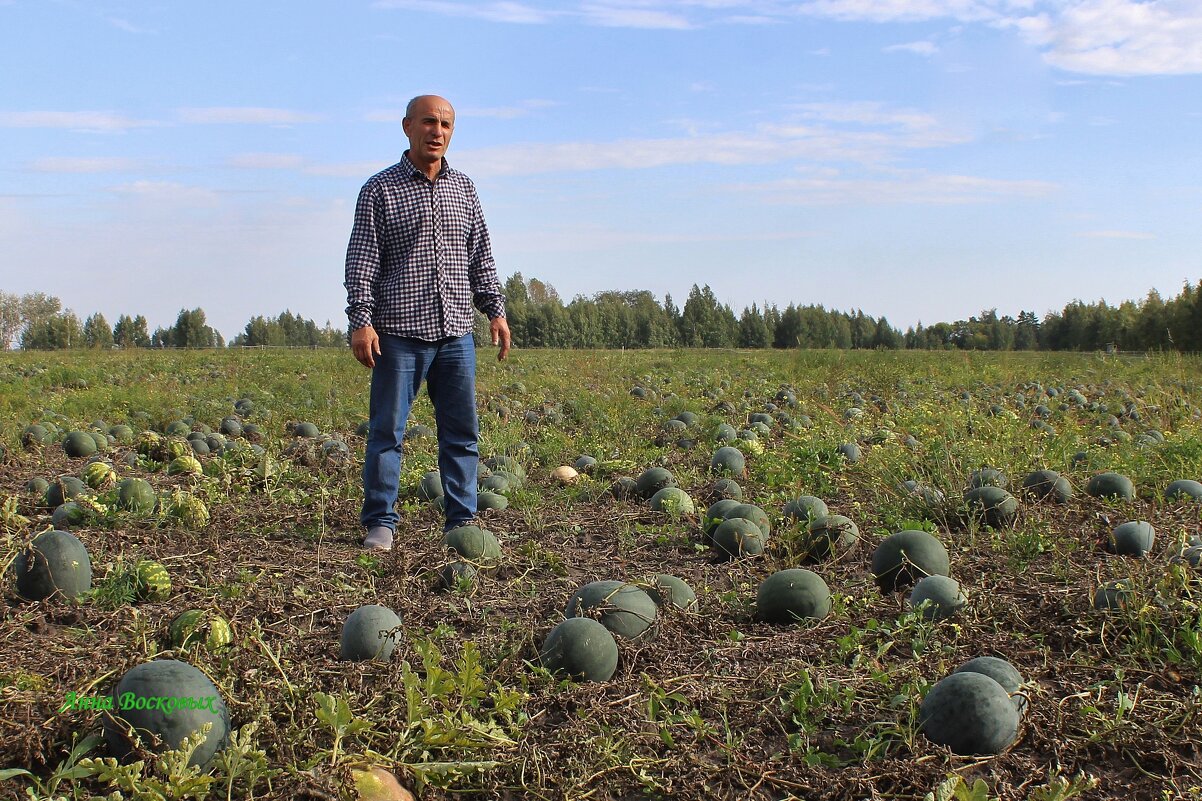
x,y
200,627
153,581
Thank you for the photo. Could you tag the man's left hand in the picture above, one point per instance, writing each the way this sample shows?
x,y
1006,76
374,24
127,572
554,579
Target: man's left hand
x,y
499,329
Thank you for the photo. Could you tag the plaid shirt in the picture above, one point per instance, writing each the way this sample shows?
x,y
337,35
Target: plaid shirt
x,y
419,256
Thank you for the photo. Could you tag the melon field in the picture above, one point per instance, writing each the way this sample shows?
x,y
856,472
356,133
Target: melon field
x,y
829,576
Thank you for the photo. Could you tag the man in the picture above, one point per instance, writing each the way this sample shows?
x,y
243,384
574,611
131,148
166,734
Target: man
x,y
418,259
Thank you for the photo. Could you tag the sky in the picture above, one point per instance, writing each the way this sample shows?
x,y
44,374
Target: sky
x,y
922,160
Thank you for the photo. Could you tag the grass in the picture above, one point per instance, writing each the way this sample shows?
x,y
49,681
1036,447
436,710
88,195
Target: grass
x,y
718,704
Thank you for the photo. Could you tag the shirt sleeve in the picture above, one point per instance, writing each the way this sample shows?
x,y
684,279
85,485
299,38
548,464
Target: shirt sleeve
x,y
482,270
363,260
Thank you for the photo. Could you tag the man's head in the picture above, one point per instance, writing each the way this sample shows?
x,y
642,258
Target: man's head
x,y
429,122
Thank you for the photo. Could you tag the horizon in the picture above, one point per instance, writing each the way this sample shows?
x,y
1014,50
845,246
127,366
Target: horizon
x,y
917,161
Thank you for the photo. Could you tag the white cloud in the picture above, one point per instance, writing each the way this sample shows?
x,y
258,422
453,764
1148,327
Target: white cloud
x,y
520,109
574,239
869,113
518,13
1101,37
749,19
1119,37
620,16
266,161
898,10
166,192
917,48
666,14
859,133
85,164
244,115
390,115
355,169
896,187
505,112
102,121
1116,235
127,26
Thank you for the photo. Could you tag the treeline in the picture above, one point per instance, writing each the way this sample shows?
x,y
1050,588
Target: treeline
x,y
289,330
37,321
538,318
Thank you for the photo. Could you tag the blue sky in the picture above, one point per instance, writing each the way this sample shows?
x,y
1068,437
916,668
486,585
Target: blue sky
x,y
918,159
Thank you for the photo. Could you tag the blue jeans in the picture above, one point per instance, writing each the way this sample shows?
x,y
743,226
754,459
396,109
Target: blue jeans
x,y
448,367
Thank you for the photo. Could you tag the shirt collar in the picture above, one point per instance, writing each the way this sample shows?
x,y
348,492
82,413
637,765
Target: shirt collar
x,y
412,170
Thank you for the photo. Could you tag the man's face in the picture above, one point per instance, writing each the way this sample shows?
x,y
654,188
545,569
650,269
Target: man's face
x,y
429,129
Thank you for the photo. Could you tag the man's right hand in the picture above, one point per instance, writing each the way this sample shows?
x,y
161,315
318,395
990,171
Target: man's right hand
x,y
365,344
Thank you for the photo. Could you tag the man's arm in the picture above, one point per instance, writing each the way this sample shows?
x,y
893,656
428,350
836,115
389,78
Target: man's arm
x,y
362,269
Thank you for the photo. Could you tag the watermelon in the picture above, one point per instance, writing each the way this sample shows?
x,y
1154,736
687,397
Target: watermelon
x,y
153,582
1111,485
998,508
728,460
1003,673
474,544
370,632
200,627
135,495
79,444
941,595
457,575
582,649
905,557
667,589
726,488
652,480
1113,595
1183,490
831,536
805,508
737,537
192,699
624,609
790,595
55,562
673,501
1133,538
1049,485
970,713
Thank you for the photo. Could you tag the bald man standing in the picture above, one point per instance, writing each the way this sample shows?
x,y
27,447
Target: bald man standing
x,y
418,260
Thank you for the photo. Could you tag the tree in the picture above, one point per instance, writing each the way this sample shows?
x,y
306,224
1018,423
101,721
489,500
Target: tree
x,y
886,336
130,332
57,332
863,330
1026,331
753,330
10,319
540,293
699,313
672,318
788,329
38,306
96,332
191,331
